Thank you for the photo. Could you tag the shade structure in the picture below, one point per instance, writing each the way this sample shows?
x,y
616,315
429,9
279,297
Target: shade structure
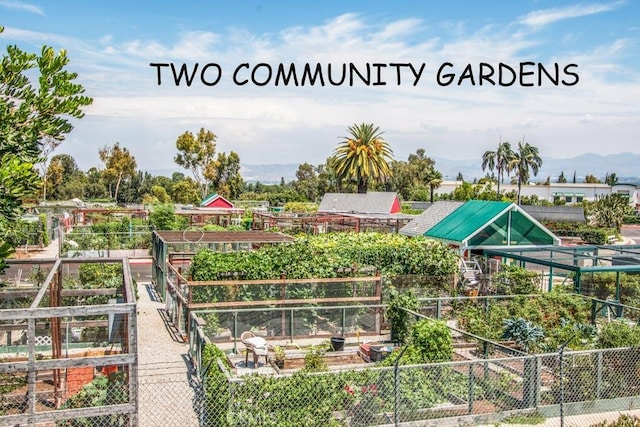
x,y
479,224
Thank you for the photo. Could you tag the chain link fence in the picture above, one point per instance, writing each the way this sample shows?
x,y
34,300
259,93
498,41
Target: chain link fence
x,y
592,387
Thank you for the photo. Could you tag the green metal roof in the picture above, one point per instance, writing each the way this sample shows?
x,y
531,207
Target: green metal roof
x,y
466,220
480,223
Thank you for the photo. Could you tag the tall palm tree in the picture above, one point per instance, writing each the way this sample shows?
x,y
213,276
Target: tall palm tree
x,y
525,160
434,180
500,160
363,156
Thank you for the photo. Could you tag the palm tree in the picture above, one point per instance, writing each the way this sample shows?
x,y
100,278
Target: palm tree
x,y
363,156
500,160
434,180
525,160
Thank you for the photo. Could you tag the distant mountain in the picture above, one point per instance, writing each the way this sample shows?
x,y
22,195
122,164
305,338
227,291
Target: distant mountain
x,y
269,173
625,165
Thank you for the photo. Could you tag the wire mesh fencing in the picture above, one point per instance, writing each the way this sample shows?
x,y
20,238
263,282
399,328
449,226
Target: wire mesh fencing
x,y
168,395
582,388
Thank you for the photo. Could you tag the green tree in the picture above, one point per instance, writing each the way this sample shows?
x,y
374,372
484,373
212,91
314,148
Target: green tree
x,y
363,156
33,114
227,179
501,160
562,179
163,217
328,179
591,179
120,164
611,179
610,210
197,154
306,183
459,177
525,161
160,194
18,180
38,96
65,178
186,191
433,181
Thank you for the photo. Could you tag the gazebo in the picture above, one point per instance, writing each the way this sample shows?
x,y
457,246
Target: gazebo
x,y
479,224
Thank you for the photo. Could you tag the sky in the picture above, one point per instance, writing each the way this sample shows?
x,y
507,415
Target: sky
x,y
592,105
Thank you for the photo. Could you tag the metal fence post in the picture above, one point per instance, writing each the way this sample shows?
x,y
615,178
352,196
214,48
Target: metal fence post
x,y
344,320
471,384
561,361
396,387
291,326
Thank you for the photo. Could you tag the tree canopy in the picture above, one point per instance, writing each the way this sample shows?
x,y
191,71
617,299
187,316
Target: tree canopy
x,y
363,156
38,96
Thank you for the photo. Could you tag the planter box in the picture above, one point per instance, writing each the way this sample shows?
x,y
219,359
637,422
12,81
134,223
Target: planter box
x,y
379,352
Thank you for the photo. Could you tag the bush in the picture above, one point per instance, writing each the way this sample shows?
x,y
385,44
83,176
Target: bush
x,y
399,319
622,421
517,280
596,236
432,340
619,334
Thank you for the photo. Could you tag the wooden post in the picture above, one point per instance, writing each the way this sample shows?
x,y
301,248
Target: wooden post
x,y
56,336
378,316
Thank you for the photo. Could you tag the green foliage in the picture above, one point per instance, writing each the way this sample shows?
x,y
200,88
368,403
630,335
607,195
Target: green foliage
x,y
619,334
530,418
591,234
102,391
163,217
314,360
524,333
300,207
609,211
323,255
555,312
631,219
597,236
623,420
517,280
5,250
432,341
29,115
398,318
363,156
196,154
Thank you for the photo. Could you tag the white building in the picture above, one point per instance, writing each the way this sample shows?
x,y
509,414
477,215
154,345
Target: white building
x,y
569,192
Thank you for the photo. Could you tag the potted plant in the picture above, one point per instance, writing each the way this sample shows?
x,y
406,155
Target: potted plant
x,y
279,355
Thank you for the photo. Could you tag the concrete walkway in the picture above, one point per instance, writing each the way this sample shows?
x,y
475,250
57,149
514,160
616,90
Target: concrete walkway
x,y
574,420
164,392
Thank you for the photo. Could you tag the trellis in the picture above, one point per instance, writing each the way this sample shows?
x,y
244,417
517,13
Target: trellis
x,y
47,307
180,294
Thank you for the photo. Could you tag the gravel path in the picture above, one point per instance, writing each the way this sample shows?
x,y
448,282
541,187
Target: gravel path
x,y
165,396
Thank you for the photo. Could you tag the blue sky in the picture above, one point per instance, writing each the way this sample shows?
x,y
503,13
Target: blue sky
x,y
111,45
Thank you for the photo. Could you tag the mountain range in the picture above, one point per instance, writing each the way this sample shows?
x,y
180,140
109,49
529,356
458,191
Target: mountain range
x,y
626,166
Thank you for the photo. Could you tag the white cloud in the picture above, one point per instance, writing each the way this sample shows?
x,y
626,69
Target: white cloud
x,y
529,123
541,18
277,124
18,5
587,118
433,127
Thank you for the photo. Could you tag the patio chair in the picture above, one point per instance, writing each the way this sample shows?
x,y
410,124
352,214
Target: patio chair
x,y
255,345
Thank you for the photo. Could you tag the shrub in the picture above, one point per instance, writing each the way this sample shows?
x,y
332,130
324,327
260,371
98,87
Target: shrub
x,y
523,332
399,319
432,340
619,334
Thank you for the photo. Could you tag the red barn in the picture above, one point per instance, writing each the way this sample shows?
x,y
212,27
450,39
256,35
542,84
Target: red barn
x,y
216,201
